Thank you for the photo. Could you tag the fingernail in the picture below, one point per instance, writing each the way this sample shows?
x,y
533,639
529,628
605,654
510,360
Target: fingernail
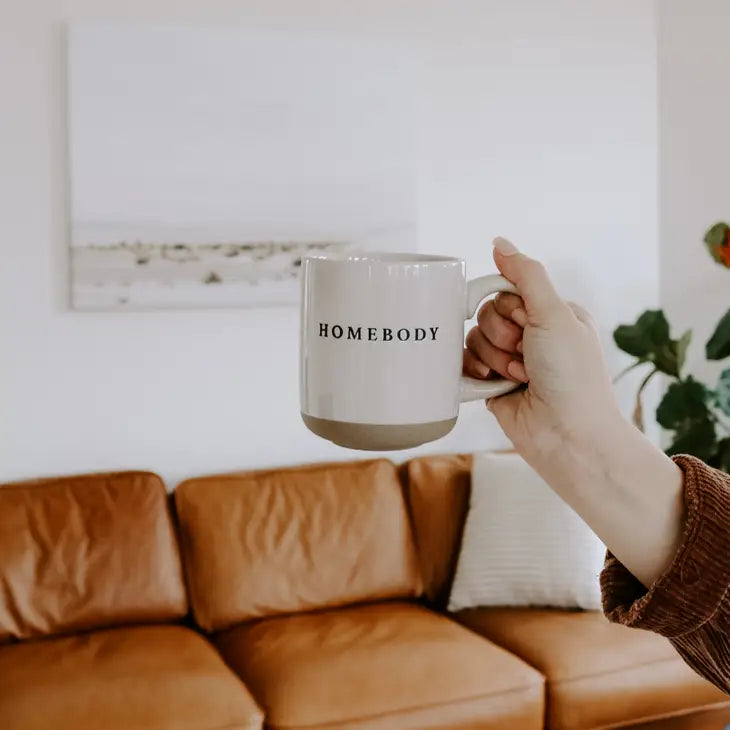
x,y
505,247
519,316
482,369
518,347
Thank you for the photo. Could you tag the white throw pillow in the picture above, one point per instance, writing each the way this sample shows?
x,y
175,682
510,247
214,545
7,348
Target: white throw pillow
x,y
522,545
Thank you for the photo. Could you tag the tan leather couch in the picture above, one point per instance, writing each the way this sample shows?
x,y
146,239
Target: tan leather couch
x,y
297,599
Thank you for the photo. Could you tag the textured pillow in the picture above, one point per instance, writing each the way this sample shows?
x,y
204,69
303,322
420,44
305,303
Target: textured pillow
x,y
522,545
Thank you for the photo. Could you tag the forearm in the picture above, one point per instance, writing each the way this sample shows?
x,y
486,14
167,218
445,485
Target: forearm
x,y
627,490
690,602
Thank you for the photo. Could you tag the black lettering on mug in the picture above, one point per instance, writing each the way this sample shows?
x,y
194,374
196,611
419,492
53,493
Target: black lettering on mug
x,y
404,334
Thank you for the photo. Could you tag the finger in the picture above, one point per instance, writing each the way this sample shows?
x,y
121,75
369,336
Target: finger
x,y
532,280
499,331
516,370
485,351
506,303
473,366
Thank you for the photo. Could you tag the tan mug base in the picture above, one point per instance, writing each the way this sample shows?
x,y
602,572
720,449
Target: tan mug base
x,y
377,437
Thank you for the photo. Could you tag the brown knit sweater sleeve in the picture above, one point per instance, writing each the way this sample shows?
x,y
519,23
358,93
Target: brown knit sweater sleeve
x,y
690,602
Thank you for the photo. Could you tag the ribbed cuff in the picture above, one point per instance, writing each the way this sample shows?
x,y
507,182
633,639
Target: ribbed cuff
x,y
689,593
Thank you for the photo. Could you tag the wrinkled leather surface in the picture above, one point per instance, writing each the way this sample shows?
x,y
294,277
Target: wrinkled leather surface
x,y
437,490
87,551
161,677
599,674
291,540
713,719
384,666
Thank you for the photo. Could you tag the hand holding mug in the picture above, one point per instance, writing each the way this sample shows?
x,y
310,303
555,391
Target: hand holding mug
x,y
540,339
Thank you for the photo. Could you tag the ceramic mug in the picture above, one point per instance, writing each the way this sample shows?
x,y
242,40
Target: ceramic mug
x,y
382,338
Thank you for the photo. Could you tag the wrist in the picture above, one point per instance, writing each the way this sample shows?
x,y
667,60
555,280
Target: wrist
x,y
628,491
601,447
567,447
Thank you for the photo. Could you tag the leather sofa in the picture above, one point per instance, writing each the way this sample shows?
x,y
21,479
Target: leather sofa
x,y
296,598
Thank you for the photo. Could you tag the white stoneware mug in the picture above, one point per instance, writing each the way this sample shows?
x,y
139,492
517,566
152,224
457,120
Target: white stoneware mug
x,y
382,337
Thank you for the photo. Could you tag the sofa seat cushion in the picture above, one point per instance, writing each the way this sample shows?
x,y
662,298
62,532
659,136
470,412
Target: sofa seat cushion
x,y
387,665
156,677
598,674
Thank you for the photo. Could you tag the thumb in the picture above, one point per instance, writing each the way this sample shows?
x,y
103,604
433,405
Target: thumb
x,y
530,278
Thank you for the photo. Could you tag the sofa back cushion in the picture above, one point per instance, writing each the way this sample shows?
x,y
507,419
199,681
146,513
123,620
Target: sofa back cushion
x,y
437,491
288,540
87,551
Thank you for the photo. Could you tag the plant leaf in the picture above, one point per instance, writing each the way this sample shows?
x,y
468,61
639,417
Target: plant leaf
x,y
699,440
715,238
670,358
718,346
645,336
684,403
722,392
682,347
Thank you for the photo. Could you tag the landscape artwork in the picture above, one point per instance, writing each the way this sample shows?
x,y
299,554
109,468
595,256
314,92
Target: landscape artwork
x,y
206,162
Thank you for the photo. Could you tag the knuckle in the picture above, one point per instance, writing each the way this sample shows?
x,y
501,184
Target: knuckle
x,y
472,338
470,367
505,331
485,313
507,303
504,303
498,330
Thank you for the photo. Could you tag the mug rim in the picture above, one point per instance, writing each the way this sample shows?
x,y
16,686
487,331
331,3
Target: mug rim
x,y
383,257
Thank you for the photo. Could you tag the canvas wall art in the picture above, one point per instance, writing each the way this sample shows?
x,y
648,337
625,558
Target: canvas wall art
x,y
205,162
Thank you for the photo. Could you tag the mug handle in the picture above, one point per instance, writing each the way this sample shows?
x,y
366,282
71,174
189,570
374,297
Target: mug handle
x,y
476,290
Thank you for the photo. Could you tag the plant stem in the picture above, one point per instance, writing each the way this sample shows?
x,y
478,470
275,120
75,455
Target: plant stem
x,y
628,370
638,415
646,380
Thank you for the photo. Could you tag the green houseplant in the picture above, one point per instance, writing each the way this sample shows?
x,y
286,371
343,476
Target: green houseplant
x,y
697,415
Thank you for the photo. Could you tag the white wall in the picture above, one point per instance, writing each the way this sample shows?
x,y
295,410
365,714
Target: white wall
x,y
541,125
694,82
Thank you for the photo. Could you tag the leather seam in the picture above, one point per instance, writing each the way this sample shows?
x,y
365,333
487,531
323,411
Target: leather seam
x,y
665,716
303,468
607,672
405,711
187,559
64,478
